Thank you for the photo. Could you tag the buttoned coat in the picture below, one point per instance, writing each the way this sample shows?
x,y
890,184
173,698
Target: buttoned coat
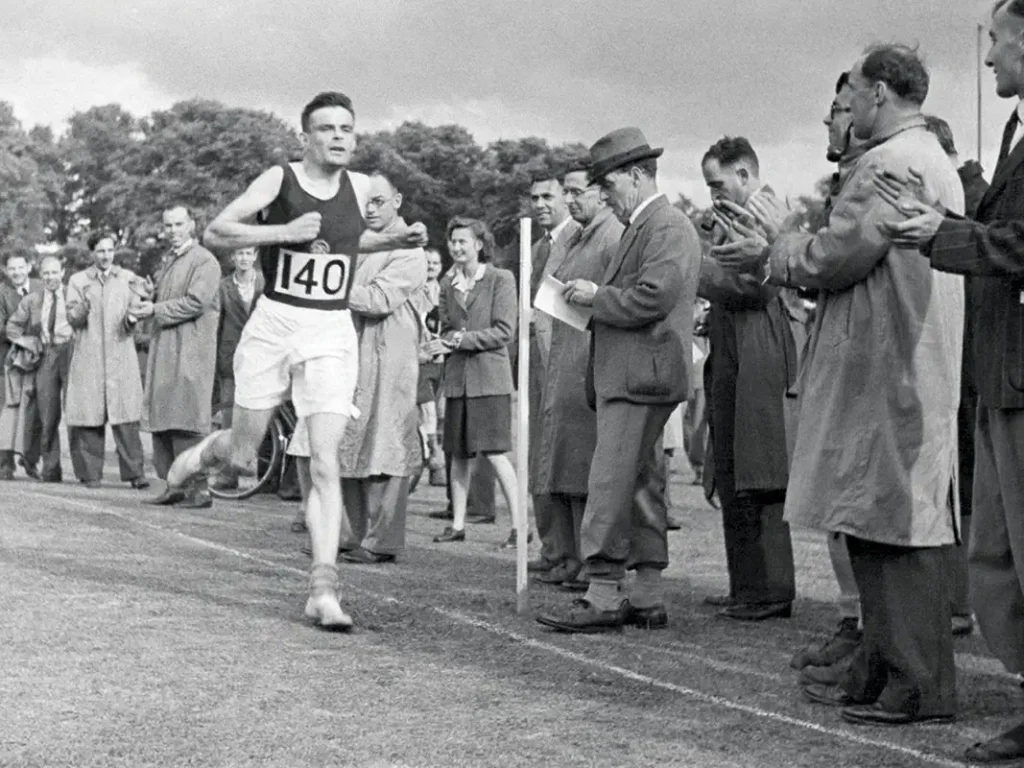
x,y
234,312
480,366
643,310
568,432
876,440
104,380
183,344
990,250
383,439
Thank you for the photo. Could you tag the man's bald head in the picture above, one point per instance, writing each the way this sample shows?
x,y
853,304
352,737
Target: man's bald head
x,y
383,203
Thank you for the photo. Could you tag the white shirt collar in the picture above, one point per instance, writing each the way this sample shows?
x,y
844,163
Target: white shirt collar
x,y
1020,112
554,233
465,284
639,209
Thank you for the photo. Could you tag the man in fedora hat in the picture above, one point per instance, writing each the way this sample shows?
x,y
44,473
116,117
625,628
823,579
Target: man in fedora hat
x,y
640,358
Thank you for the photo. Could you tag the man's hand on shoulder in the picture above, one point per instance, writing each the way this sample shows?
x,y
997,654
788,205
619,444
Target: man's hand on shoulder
x,y
411,235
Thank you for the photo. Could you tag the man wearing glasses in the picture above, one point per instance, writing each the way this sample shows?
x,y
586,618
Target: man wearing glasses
x,y
568,427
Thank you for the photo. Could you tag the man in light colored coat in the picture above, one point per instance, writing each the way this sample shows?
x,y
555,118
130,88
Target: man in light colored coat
x,y
642,328
879,389
381,448
184,313
104,380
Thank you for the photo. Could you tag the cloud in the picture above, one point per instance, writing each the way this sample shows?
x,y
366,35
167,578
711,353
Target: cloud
x,y
686,73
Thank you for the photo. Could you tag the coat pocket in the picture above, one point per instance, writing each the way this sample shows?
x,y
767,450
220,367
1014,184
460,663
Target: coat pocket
x,y
653,364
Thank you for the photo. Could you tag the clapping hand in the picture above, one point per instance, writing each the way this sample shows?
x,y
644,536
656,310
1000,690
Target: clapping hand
x,y
772,214
746,247
907,194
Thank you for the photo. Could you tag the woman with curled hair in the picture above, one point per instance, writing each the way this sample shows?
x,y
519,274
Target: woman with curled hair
x,y
477,321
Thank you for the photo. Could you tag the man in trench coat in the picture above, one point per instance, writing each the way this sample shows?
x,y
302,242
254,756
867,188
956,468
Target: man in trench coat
x,y
752,362
990,250
568,427
183,314
878,395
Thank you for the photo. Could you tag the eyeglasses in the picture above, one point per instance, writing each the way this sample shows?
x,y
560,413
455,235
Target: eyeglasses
x,y
379,202
572,192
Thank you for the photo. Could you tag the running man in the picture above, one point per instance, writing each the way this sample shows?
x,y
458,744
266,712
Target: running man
x,y
300,338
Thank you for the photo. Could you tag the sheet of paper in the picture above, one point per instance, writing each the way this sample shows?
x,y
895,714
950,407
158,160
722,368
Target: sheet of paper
x,y
549,300
698,355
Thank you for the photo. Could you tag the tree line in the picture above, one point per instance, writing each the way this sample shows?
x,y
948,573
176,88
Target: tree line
x,y
114,172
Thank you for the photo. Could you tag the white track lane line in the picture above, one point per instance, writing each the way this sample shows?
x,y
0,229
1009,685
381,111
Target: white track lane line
x,y
629,674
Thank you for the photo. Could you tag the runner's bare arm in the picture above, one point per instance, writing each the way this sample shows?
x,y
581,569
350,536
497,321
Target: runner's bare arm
x,y
229,231
394,238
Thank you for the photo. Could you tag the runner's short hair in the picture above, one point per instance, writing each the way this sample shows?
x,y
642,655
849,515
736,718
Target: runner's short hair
x,y
325,99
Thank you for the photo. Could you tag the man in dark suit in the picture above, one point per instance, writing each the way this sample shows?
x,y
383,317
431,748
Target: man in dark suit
x,y
990,249
752,363
42,317
238,294
641,353
12,291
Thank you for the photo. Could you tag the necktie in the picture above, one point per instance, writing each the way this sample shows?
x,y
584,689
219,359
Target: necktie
x,y
543,253
1008,133
51,324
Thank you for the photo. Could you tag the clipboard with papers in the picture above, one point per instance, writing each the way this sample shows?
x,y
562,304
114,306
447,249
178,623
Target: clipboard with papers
x,y
550,301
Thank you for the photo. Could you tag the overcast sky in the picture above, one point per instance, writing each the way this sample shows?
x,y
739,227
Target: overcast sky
x,y
685,72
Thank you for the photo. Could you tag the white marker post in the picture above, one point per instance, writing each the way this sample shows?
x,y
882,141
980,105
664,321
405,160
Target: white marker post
x,y
520,515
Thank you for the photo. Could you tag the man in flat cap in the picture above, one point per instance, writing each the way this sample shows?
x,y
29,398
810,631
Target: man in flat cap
x,y
641,345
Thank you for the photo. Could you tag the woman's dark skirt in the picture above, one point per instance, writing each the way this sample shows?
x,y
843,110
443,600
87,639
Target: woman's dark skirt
x,y
475,425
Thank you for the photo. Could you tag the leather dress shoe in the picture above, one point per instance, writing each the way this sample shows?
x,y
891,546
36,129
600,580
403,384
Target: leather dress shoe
x,y
165,499
441,514
876,714
1007,747
557,575
830,675
94,484
540,565
831,696
476,519
449,534
52,479
198,501
511,542
30,469
583,618
655,617
140,484
757,612
719,601
366,557
6,474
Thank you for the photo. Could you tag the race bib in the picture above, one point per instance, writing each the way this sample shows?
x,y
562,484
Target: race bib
x,y
314,277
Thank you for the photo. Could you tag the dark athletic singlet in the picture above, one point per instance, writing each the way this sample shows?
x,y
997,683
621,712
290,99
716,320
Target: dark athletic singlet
x,y
317,274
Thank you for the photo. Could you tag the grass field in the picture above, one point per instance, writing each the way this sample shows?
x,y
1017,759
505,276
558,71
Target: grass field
x,y
134,635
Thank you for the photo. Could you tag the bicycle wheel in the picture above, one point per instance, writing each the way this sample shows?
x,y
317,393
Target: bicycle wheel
x,y
268,466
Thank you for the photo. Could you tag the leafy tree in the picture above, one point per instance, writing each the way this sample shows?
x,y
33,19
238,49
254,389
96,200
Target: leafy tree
x,y
23,203
92,154
198,153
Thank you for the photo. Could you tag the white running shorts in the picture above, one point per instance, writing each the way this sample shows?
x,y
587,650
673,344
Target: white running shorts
x,y
309,355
